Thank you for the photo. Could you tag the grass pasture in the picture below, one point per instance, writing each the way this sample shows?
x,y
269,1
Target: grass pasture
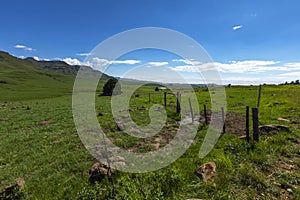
x,y
39,143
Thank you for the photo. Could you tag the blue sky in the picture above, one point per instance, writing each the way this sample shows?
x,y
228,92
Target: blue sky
x,y
250,42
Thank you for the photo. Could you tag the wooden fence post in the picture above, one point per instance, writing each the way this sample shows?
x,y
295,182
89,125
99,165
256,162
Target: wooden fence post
x,y
247,124
255,124
258,100
165,99
205,114
178,102
223,119
192,114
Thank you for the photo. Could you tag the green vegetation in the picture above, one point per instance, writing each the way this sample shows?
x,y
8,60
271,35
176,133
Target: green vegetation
x,y
111,87
39,143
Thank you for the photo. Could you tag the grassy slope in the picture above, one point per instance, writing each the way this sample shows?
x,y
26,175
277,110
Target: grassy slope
x,y
27,81
41,145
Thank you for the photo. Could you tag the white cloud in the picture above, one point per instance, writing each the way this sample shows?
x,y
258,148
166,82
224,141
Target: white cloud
x,y
291,74
36,58
158,64
128,62
18,46
99,63
248,66
84,54
237,27
293,66
72,61
104,62
188,62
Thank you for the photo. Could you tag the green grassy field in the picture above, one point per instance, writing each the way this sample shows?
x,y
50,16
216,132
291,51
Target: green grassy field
x,y
39,143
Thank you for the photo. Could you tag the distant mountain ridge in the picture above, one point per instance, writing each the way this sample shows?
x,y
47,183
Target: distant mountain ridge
x,y
52,65
63,67
29,77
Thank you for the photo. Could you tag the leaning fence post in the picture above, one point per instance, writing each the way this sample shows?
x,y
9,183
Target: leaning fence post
x,y
178,103
223,119
255,124
247,124
165,99
192,114
258,100
205,114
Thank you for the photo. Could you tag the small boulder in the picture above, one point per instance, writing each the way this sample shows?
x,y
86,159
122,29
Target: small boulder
x,y
98,172
100,114
289,190
282,119
13,191
207,171
272,129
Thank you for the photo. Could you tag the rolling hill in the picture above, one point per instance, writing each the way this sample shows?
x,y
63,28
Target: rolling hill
x,y
29,78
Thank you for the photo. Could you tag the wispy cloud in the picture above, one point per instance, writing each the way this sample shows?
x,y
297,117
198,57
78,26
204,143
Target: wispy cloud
x,y
72,61
19,46
188,62
84,54
36,58
237,27
248,66
99,63
158,64
291,74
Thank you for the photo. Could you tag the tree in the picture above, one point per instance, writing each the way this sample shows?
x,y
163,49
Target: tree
x,y
297,82
111,87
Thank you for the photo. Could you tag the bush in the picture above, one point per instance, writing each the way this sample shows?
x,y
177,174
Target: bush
x,y
111,87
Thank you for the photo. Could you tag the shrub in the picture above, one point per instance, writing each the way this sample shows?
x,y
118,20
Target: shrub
x,y
111,87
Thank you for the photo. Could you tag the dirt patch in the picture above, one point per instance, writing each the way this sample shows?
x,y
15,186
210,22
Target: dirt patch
x,y
235,123
42,123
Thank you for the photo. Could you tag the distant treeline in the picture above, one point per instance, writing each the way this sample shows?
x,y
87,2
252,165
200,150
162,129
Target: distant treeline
x,y
296,82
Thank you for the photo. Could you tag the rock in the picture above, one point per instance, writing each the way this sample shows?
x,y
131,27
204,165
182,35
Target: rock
x,y
20,182
119,128
98,172
276,102
56,142
100,114
117,160
243,137
13,191
194,199
43,123
272,128
282,119
289,190
207,171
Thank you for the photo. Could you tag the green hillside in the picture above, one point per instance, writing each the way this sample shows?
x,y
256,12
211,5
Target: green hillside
x,y
28,78
57,65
